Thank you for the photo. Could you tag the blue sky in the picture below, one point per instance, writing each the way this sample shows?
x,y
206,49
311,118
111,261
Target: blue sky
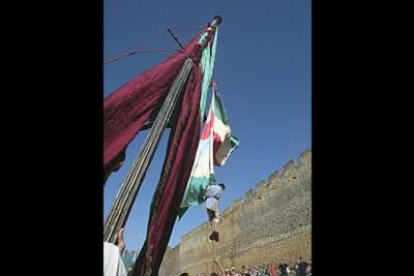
x,y
263,63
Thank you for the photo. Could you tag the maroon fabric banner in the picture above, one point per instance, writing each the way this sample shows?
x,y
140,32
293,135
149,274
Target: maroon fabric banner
x,y
128,108
176,171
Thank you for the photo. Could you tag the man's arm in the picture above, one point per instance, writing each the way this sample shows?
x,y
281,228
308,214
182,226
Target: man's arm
x,y
120,241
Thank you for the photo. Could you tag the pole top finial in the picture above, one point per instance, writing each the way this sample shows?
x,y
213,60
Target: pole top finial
x,y
216,21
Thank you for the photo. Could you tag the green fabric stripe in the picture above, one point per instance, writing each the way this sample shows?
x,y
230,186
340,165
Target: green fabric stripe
x,y
202,38
234,141
213,54
194,194
219,110
207,63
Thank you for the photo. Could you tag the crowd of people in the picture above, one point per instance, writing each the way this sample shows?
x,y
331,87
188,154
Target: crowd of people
x,y
114,265
300,268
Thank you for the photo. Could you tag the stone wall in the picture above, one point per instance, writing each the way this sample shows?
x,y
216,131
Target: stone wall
x,y
270,223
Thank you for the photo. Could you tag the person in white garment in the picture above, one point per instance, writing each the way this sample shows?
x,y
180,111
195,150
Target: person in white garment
x,y
213,194
113,264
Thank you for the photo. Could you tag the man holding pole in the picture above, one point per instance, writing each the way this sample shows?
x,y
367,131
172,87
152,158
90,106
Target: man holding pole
x,y
213,194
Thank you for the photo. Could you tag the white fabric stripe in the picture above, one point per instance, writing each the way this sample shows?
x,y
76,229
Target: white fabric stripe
x,y
224,151
220,128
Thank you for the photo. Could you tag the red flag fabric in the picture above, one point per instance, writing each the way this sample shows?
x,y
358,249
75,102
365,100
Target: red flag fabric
x,y
129,107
